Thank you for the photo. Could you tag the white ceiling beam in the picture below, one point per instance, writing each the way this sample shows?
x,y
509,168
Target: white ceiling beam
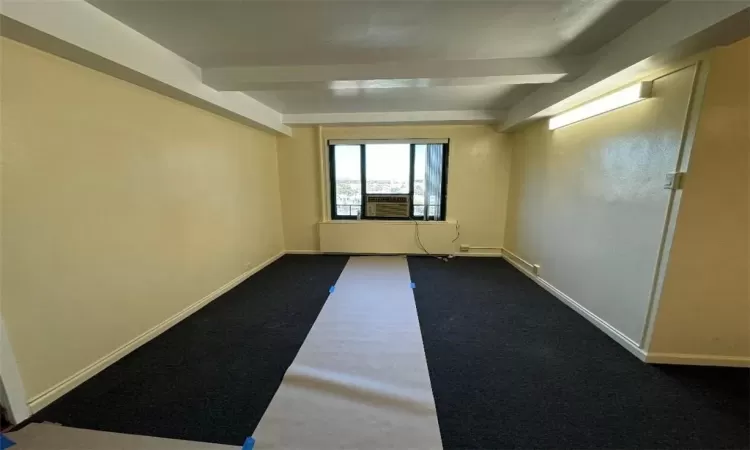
x,y
410,83
663,32
76,30
507,71
394,117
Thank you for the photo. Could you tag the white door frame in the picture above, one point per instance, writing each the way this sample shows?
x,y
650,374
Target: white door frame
x,y
15,394
695,103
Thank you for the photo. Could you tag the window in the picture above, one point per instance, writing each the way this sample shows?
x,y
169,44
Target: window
x,y
417,169
348,187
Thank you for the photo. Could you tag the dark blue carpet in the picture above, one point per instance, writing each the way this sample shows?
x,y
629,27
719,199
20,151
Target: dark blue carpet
x,y
510,366
513,367
210,377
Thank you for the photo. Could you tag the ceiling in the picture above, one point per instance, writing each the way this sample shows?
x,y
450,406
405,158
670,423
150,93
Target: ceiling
x,y
349,56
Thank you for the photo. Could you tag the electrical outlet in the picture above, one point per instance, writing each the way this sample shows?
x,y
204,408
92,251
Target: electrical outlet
x,y
535,269
465,248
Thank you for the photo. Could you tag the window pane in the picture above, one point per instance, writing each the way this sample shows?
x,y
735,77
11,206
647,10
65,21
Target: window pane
x,y
348,180
419,185
387,168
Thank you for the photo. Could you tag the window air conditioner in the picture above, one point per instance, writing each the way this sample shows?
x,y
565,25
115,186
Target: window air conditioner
x,y
387,206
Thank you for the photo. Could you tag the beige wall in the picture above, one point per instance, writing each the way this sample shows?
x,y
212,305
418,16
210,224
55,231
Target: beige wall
x,y
478,176
299,175
388,237
121,208
704,308
587,202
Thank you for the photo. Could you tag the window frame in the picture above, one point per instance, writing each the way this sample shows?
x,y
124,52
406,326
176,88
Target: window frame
x,y
334,215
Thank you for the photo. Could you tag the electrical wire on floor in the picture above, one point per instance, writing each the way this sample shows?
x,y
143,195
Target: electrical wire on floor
x,y
418,239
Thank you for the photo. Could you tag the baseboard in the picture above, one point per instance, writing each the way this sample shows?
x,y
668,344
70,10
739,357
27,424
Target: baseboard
x,y
318,252
497,254
39,401
600,323
697,360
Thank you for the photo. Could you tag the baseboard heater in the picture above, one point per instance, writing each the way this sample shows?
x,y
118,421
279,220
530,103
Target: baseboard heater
x,y
533,268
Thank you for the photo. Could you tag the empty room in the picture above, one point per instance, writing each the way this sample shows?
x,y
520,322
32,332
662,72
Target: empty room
x,y
374,224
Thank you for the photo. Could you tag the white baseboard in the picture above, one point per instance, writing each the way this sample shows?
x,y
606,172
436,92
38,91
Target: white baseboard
x,y
497,254
38,402
479,254
629,344
318,252
697,360
600,323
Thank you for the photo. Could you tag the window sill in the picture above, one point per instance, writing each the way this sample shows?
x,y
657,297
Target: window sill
x,y
389,222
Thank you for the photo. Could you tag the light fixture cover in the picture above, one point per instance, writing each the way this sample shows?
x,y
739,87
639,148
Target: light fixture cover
x,y
618,99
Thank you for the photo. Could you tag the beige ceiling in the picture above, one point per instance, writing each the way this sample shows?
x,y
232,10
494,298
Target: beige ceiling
x,y
286,34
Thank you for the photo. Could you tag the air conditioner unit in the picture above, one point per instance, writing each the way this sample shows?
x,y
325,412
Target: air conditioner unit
x,y
387,206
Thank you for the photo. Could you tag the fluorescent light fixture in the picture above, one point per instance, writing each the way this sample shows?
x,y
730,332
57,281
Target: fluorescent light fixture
x,y
623,97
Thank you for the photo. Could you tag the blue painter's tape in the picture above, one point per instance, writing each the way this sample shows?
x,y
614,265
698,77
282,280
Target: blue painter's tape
x,y
249,443
330,291
5,442
414,285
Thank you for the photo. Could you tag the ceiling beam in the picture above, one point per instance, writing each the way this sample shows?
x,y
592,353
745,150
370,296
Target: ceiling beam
x,y
667,33
411,83
502,71
393,117
78,31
